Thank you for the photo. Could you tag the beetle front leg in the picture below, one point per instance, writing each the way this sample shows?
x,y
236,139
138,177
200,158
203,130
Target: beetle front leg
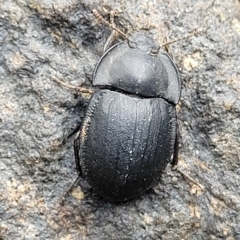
x,y
113,32
111,24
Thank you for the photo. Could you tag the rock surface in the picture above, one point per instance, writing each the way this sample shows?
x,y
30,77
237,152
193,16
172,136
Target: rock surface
x,y
44,40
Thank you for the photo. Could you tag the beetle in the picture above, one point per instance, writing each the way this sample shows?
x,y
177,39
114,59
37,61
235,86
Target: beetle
x,y
130,130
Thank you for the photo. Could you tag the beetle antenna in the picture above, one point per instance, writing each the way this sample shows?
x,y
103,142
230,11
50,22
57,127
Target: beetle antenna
x,y
111,24
195,32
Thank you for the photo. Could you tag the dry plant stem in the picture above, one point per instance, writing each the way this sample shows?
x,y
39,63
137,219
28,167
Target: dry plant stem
x,y
78,89
190,179
100,18
178,39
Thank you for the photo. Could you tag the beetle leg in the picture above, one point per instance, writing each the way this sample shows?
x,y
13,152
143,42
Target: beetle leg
x,y
175,161
111,24
109,40
70,188
76,153
166,40
100,18
113,33
191,179
195,32
176,149
78,167
76,88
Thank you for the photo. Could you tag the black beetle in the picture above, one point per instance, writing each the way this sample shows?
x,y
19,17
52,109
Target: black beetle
x,y
130,129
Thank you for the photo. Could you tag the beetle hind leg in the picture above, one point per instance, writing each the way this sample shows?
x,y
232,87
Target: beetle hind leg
x,y
176,149
70,188
78,166
175,161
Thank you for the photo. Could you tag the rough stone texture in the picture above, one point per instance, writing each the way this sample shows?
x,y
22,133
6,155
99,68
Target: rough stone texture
x,y
40,40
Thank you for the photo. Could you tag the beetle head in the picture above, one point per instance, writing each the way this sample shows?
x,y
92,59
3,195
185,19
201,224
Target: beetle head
x,y
144,43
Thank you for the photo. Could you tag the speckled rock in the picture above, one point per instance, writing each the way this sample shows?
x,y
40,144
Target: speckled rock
x,y
44,40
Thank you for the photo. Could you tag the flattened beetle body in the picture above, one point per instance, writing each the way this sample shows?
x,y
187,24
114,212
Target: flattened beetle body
x,y
130,129
147,72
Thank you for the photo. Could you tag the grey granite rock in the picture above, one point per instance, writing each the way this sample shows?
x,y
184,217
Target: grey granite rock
x,y
43,40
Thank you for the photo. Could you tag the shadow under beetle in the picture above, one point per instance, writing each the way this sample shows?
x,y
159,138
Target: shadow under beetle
x,y
130,129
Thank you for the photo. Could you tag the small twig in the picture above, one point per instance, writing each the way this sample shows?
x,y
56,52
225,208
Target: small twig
x,y
78,89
